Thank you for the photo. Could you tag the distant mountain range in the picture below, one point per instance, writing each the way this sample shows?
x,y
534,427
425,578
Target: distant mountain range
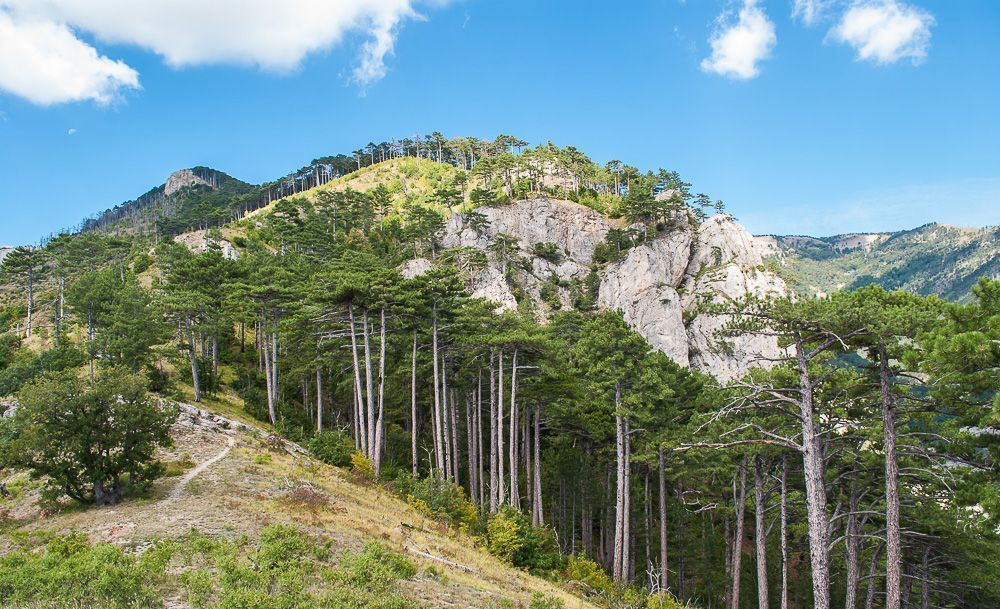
x,y
931,259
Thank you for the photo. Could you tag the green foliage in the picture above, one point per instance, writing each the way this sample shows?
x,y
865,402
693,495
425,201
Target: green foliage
x,y
541,601
439,499
85,438
288,570
332,447
510,537
27,366
67,572
586,575
548,251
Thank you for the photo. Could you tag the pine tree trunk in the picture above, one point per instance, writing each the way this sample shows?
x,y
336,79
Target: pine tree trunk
x,y
760,534
784,532
851,551
893,546
501,478
380,417
192,353
413,407
369,387
438,440
319,400
813,469
628,564
739,495
515,497
361,430
494,482
619,493
539,512
661,468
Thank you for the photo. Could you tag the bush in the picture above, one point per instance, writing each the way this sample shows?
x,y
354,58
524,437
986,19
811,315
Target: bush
x,y
664,600
69,572
540,601
331,447
362,466
511,538
548,251
587,575
439,499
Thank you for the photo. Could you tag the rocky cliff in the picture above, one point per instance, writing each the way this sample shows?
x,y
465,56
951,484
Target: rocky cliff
x,y
180,179
662,287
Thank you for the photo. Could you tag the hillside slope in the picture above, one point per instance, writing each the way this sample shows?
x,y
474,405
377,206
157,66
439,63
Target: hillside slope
x,y
931,259
239,480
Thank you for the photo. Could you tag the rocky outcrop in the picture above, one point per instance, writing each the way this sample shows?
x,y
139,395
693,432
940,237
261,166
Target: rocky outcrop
x,y
4,250
664,287
180,179
198,241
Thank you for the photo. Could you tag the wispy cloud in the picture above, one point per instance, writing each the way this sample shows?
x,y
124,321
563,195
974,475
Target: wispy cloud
x,y
810,11
885,31
44,59
738,47
963,202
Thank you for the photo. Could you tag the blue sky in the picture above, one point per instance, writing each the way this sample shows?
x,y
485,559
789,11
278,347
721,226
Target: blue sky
x,y
804,116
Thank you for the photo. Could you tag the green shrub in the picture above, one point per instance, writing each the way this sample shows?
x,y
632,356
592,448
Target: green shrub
x,y
664,600
587,575
331,447
548,251
438,499
199,587
540,601
69,572
511,538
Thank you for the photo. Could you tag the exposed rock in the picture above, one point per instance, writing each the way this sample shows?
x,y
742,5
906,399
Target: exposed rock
x,y
198,242
575,228
490,284
4,250
642,286
416,267
180,179
661,287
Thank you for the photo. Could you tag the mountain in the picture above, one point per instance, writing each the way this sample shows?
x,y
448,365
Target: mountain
x,y
188,199
931,259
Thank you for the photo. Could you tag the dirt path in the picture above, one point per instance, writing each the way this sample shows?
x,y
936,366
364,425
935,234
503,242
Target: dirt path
x,y
191,475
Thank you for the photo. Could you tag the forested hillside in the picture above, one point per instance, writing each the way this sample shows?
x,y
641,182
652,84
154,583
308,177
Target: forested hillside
x,y
932,259
588,372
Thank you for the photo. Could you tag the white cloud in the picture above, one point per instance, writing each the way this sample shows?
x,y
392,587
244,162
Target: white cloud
x,y
885,31
71,131
274,36
738,48
810,11
45,63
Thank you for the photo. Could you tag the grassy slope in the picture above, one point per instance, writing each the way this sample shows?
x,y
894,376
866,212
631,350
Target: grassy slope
x,y
931,259
254,486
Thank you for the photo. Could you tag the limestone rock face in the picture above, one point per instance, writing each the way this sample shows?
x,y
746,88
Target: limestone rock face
x,y
575,228
662,287
643,287
180,179
4,250
198,242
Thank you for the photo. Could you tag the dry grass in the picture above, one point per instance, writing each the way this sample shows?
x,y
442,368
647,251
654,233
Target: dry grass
x,y
247,491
